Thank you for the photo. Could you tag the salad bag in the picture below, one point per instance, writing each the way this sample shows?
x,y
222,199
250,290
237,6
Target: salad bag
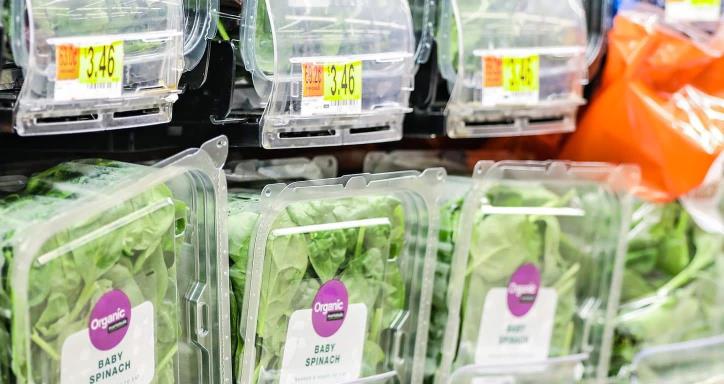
x,y
332,278
670,324
329,72
513,67
91,68
116,272
535,271
659,104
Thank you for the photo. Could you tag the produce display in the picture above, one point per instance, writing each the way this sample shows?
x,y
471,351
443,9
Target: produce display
x,y
672,289
356,241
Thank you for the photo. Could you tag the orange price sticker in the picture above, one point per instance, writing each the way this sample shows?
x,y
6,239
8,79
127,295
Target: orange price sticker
x,y
313,78
492,71
67,61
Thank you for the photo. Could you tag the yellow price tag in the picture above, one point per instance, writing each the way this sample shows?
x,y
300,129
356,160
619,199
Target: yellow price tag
x,y
705,3
101,65
343,81
521,74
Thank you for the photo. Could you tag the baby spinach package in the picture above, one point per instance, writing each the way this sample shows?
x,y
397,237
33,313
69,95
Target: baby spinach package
x,y
332,278
672,296
112,273
534,272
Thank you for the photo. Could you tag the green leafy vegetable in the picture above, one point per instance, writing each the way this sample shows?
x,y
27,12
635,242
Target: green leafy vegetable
x,y
135,254
298,262
672,289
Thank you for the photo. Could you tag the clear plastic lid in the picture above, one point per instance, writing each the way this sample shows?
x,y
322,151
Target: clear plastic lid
x,y
331,72
454,162
673,286
333,278
424,13
536,266
513,67
693,362
599,18
704,14
94,68
199,25
117,272
562,370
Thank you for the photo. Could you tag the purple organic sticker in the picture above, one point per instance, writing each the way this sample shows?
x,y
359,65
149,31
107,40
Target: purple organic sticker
x,y
109,321
329,308
523,289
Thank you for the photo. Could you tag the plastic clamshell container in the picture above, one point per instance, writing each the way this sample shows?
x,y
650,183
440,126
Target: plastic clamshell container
x,y
562,370
541,246
199,25
295,168
120,272
693,362
96,68
599,18
332,72
673,292
705,15
513,67
338,278
424,13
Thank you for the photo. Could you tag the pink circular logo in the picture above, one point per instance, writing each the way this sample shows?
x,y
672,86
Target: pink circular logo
x,y
523,289
109,320
329,308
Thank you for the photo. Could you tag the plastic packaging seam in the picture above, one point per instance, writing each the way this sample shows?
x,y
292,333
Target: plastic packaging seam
x,y
676,347
511,368
276,197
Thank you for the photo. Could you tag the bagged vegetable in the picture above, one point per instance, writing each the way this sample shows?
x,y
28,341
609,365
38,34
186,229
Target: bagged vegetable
x,y
535,262
100,282
330,278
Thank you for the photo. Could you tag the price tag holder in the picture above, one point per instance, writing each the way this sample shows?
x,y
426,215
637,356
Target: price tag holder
x,y
692,10
510,79
89,71
331,88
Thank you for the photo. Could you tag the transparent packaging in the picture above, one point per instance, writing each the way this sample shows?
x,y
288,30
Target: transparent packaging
x,y
672,287
599,18
200,18
536,265
513,67
329,72
686,14
693,362
295,168
333,278
116,271
96,68
454,162
424,13
563,370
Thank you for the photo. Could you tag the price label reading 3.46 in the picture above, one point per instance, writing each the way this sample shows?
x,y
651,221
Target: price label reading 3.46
x,y
332,88
89,71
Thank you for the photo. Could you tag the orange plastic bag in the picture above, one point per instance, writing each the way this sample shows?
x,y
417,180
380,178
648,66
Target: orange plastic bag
x,y
660,105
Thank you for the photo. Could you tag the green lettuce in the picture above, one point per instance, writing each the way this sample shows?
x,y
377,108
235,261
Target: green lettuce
x,y
672,289
137,257
364,258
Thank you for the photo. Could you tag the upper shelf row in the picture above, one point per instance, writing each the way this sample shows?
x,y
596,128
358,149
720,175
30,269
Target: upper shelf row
x,y
304,72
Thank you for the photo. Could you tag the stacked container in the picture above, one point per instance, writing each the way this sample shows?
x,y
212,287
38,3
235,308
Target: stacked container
x,y
116,272
535,272
333,278
329,72
513,67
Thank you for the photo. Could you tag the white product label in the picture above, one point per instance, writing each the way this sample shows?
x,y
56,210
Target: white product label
x,y
332,88
88,71
129,357
311,358
693,10
506,337
510,79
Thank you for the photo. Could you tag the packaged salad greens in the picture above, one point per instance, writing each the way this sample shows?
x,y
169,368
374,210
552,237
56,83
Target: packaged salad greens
x,y
329,72
673,292
332,279
535,271
114,272
693,362
513,67
92,68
